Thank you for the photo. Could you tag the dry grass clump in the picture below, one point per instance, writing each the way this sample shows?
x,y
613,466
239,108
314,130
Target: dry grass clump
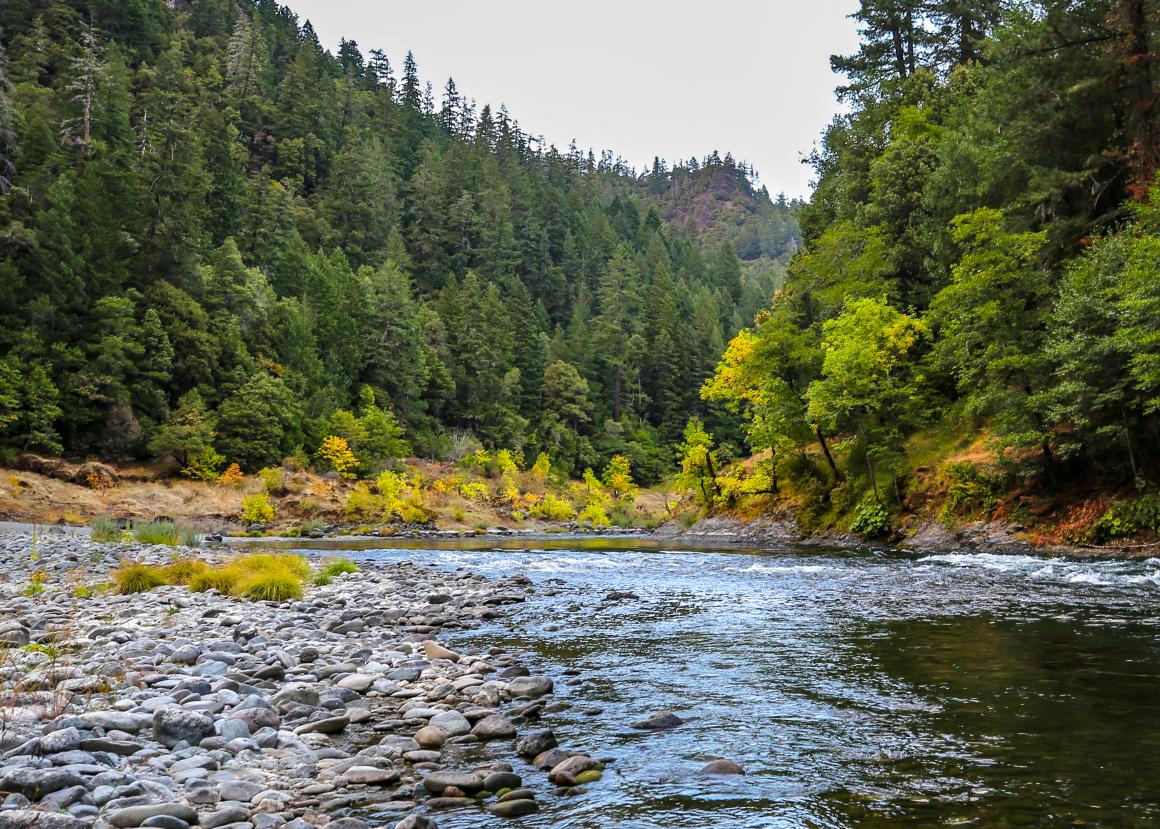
x,y
134,577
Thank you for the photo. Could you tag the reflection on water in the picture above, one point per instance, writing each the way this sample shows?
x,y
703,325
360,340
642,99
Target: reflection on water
x,y
859,689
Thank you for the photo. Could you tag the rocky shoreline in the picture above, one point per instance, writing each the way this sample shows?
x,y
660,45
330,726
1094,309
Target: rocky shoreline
x,y
170,709
998,537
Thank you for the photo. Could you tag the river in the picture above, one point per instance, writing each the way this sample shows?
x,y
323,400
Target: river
x,y
858,689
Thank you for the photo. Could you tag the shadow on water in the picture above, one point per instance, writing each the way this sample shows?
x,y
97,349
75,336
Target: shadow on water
x,y
859,689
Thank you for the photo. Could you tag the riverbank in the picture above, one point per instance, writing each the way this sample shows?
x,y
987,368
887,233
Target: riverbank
x,y
930,536
169,709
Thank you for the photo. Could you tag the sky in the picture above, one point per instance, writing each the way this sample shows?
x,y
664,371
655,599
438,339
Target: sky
x,y
642,78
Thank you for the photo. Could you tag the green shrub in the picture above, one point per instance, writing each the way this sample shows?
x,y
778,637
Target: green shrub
x,y
1126,518
271,586
273,479
871,519
137,578
105,529
322,579
257,509
553,508
595,515
968,489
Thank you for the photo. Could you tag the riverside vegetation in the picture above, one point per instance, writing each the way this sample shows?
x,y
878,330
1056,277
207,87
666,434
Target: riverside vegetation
x,y
225,249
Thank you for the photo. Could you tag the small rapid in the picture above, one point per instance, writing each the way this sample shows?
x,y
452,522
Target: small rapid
x,y
858,688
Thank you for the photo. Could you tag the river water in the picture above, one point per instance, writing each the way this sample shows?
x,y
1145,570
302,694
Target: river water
x,y
858,689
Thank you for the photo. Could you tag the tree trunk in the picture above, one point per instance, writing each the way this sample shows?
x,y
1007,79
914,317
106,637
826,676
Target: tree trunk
x,y
1141,93
899,53
838,476
1128,440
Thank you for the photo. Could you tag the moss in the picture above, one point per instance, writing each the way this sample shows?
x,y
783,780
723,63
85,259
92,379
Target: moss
x,y
590,776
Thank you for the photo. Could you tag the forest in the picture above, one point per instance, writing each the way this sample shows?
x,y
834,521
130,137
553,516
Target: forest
x,y
980,264
220,243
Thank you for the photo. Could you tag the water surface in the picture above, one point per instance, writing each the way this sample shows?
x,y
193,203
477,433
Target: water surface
x,y
859,689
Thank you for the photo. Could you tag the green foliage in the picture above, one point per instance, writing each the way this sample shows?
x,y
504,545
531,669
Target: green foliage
x,y
138,578
595,516
871,519
968,489
165,532
105,529
270,586
698,462
273,480
553,508
339,567
257,509
1128,518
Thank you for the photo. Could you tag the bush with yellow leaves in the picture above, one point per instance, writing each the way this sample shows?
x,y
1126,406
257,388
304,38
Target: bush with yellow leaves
x,y
257,509
337,453
232,477
618,478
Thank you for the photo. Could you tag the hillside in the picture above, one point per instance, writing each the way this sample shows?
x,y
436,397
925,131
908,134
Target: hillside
x,y
221,243
969,332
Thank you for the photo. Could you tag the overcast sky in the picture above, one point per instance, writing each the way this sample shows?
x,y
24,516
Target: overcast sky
x,y
638,77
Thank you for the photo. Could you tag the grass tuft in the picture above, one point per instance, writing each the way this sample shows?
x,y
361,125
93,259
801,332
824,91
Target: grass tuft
x,y
271,586
165,532
222,579
138,578
271,562
339,567
105,529
184,570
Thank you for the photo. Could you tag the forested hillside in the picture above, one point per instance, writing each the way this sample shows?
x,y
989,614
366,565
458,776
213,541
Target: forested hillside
x,y
981,267
221,243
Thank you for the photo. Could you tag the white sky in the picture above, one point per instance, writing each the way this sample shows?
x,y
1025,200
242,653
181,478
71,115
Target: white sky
x,y
638,77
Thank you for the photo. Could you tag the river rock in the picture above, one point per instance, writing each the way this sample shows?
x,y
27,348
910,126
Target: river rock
x,y
494,727
33,819
36,783
433,650
536,742
295,693
501,780
722,767
437,781
454,723
371,776
660,721
230,813
356,682
136,815
530,686
573,766
431,736
513,808
174,725
416,822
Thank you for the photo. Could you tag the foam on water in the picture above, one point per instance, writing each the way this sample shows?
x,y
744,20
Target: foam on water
x,y
1098,573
